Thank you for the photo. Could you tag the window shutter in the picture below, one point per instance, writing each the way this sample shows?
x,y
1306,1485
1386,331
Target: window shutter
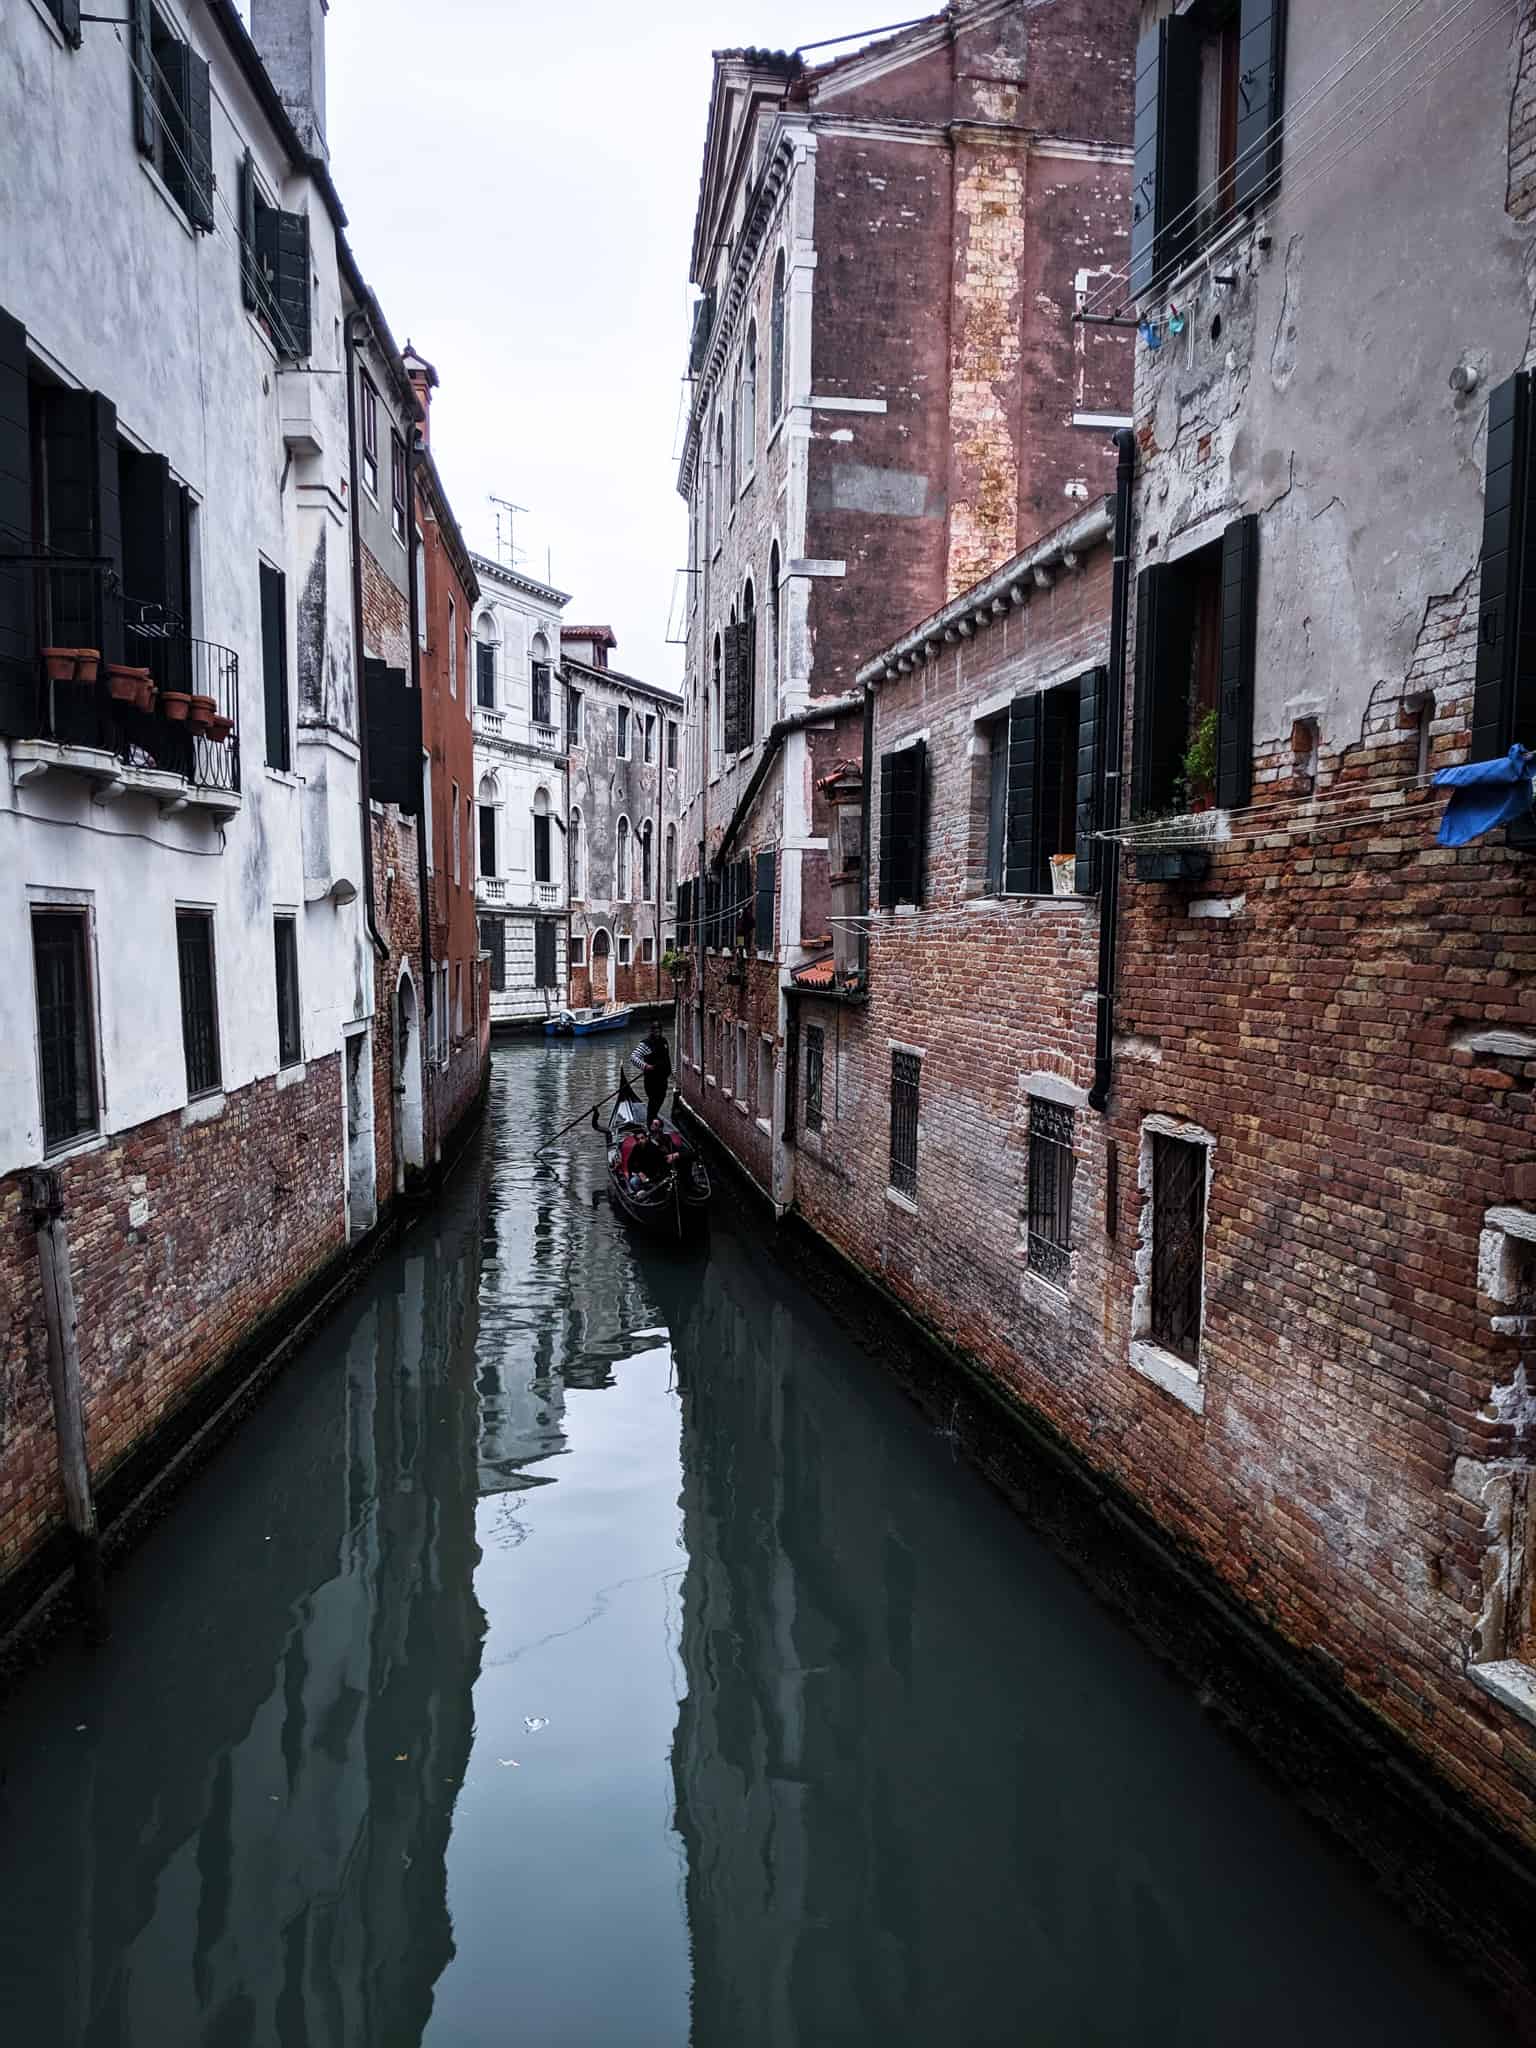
x,y
1507,598
1239,612
762,924
145,119
730,737
791,1075
1090,777
1021,854
16,637
748,632
393,713
84,510
198,142
283,246
274,664
1261,55
544,953
249,295
1158,712
901,825
68,15
1164,171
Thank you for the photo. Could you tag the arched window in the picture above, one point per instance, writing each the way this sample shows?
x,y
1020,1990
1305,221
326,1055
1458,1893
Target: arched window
x,y
576,854
748,658
543,870
489,798
621,863
538,668
716,481
670,871
749,403
776,342
773,653
485,662
645,862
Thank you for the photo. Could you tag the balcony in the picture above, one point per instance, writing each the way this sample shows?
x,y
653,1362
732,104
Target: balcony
x,y
489,725
547,895
119,693
493,889
547,737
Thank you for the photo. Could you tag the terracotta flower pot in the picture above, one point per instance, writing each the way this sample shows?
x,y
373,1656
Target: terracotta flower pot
x,y
220,729
174,705
204,712
145,700
87,664
124,682
60,663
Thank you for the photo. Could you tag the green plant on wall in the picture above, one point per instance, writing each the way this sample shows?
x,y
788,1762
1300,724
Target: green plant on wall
x,y
673,962
1199,770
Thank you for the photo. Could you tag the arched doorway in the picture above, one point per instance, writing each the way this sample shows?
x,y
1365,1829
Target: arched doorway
x,y
601,982
409,1153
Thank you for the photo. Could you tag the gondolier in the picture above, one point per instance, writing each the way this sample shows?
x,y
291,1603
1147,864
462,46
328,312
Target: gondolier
x,y
654,1057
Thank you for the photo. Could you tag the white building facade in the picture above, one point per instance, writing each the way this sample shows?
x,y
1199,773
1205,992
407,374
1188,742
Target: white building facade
x,y
520,792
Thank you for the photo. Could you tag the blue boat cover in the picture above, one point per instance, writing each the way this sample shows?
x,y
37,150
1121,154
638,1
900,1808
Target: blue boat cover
x,y
1484,794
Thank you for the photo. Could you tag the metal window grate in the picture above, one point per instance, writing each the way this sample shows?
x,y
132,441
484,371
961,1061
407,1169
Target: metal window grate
x,y
289,1038
906,1067
1051,1165
199,1017
65,1044
815,1052
1178,1244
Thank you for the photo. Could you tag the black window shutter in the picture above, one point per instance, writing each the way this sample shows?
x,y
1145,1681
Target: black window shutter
x,y
1090,777
730,738
901,825
767,874
145,119
1159,714
544,953
1239,613
274,665
1261,60
68,14
1164,171
84,509
1150,68
1021,857
1498,720
198,142
16,645
393,711
283,247
249,293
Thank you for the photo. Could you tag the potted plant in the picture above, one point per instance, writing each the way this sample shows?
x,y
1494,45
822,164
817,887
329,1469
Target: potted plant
x,y
126,683
175,705
220,729
1063,874
674,962
1199,770
62,664
145,700
203,712
87,664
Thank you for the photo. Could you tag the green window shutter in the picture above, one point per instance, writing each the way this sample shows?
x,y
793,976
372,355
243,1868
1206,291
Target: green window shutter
x,y
1164,174
16,628
1505,616
1159,715
1021,846
85,513
1261,60
197,132
1239,613
146,120
1090,777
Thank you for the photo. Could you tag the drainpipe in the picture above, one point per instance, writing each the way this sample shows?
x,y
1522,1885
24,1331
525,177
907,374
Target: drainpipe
x,y
423,880
364,814
866,834
1114,748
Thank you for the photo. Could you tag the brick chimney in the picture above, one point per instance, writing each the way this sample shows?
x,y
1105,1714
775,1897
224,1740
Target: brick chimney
x,y
290,39
423,382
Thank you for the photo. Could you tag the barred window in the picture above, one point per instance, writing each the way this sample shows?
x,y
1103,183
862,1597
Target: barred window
x,y
66,1036
815,1053
906,1067
199,1004
1178,1244
1051,1165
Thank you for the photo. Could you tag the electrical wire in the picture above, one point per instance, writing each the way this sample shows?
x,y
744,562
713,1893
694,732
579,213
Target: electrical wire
x,y
106,832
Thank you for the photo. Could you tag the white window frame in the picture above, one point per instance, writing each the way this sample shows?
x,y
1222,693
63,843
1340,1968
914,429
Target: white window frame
x,y
1175,1375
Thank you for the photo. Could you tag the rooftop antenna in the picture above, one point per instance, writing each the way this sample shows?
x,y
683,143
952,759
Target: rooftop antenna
x,y
506,505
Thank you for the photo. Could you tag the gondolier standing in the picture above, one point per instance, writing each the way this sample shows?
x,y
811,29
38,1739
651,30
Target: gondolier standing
x,y
655,1059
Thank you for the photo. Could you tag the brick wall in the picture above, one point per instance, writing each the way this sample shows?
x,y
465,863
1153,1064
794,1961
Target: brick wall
x,y
185,1238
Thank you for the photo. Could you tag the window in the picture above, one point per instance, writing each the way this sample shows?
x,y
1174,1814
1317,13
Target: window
x,y
623,742
1192,722
621,862
740,683
1038,791
749,403
456,854
172,112
671,864
1168,1306
578,950
274,265
573,717
774,601
716,482
290,1044
368,406
485,662
540,692
743,1077
815,1054
199,1006
903,779
1504,693
66,1035
733,447
493,940
645,862
458,999
274,665
647,952
397,486
906,1070
544,953
626,944
776,342
488,801
576,855
762,909
648,741
1049,1216
671,742
426,809
453,648
765,1077
1208,109
543,867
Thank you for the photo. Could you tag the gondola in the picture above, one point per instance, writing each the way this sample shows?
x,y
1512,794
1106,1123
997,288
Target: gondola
x,y
673,1206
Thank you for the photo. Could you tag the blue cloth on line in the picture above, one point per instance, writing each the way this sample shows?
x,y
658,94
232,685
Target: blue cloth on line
x,y
1484,794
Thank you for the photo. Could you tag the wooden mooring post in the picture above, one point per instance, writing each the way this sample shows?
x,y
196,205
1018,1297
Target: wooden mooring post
x,y
68,1407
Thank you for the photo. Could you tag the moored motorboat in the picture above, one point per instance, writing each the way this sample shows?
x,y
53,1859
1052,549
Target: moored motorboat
x,y
672,1204
582,1023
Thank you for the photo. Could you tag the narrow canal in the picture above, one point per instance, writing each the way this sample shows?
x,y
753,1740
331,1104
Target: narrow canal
x,y
586,1646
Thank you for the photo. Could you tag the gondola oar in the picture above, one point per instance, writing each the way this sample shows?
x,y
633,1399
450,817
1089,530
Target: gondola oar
x,y
590,1110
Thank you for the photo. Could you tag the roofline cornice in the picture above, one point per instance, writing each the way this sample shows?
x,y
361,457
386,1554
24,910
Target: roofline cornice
x,y
499,572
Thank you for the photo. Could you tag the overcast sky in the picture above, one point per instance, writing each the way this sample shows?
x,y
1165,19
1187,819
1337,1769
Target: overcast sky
x,y
520,179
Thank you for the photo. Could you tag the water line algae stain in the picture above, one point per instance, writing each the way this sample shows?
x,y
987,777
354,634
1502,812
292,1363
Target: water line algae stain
x,y
585,1644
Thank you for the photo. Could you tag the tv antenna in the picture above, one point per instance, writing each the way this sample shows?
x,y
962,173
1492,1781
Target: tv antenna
x,y
513,550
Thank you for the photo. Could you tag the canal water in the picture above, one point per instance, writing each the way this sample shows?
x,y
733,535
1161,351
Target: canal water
x,y
584,1644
